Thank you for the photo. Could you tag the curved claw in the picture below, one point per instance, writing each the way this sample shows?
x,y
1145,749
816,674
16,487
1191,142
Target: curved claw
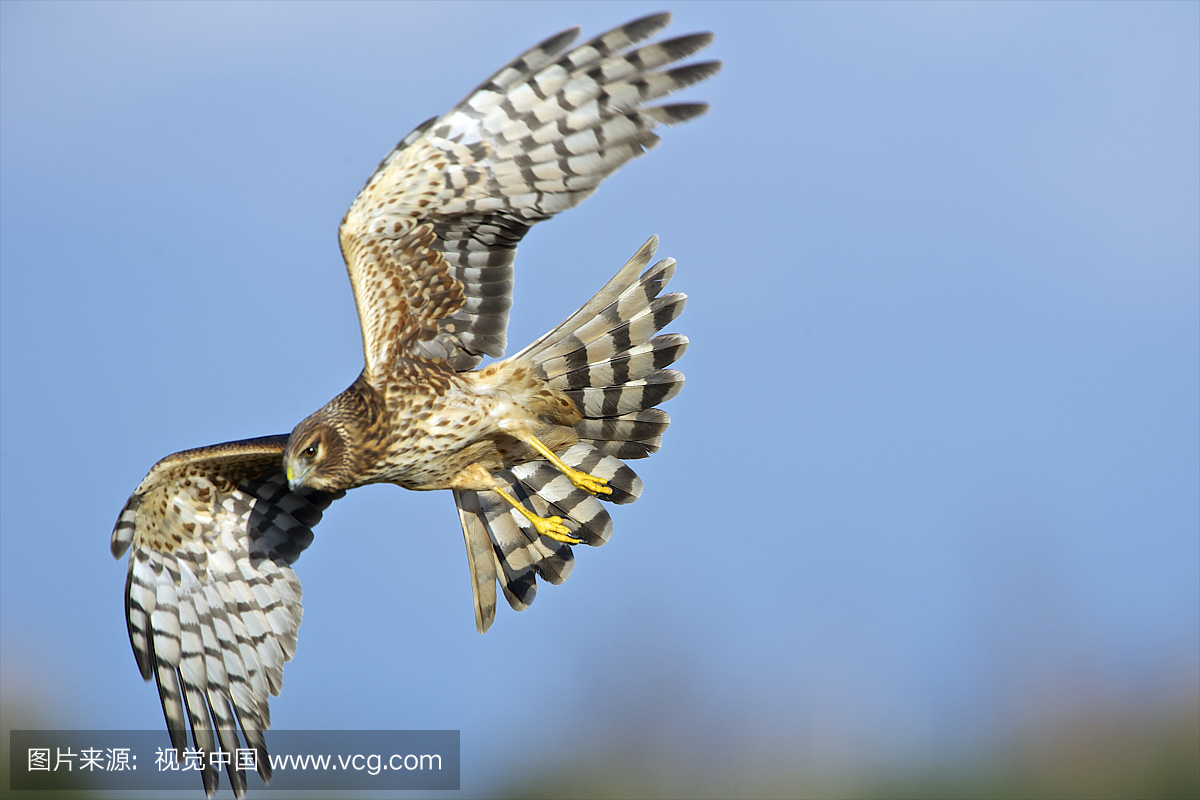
x,y
589,483
552,528
581,480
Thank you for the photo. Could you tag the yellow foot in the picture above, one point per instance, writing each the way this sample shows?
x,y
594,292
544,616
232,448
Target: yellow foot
x,y
582,480
552,527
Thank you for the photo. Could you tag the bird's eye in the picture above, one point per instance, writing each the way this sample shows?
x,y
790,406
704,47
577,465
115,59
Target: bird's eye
x,y
310,451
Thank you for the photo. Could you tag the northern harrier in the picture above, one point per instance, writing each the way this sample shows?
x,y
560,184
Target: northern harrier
x,y
528,445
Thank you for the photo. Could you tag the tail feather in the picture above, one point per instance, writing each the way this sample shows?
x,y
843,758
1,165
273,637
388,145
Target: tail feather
x,y
633,364
624,482
609,361
513,551
610,342
544,348
552,494
633,435
501,543
622,299
614,401
480,557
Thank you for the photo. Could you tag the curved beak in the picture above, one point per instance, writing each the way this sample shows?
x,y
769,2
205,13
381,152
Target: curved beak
x,y
294,482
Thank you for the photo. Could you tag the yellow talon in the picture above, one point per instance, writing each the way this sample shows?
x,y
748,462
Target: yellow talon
x,y
581,480
550,527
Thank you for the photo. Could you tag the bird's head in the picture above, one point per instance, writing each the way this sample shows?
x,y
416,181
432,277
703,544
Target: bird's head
x,y
316,456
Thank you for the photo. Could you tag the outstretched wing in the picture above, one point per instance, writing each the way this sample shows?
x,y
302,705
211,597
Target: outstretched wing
x,y
429,241
212,603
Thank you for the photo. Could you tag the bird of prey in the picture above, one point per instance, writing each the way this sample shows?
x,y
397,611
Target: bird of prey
x,y
528,445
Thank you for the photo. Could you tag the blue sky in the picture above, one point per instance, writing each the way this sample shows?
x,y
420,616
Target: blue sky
x,y
934,476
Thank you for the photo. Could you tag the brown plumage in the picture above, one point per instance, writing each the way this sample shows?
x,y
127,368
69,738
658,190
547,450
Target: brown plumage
x,y
527,445
429,245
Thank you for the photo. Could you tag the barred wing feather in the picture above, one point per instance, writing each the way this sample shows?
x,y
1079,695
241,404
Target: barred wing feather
x,y
212,604
429,242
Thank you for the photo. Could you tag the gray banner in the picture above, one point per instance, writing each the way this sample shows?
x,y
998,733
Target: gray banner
x,y
133,760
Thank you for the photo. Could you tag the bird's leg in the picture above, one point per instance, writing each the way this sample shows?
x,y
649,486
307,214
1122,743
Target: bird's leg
x,y
476,478
551,527
582,480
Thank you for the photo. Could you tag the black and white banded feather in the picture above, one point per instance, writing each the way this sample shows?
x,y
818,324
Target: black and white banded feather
x,y
609,360
212,604
533,140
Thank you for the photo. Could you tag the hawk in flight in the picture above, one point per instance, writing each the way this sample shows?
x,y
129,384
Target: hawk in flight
x,y
529,445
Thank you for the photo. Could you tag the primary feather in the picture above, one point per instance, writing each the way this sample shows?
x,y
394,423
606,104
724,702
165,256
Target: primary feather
x,y
212,604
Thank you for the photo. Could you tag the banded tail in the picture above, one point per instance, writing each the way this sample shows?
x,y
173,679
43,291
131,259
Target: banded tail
x,y
608,360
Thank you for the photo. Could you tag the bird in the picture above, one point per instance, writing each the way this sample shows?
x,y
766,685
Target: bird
x,y
212,604
528,445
